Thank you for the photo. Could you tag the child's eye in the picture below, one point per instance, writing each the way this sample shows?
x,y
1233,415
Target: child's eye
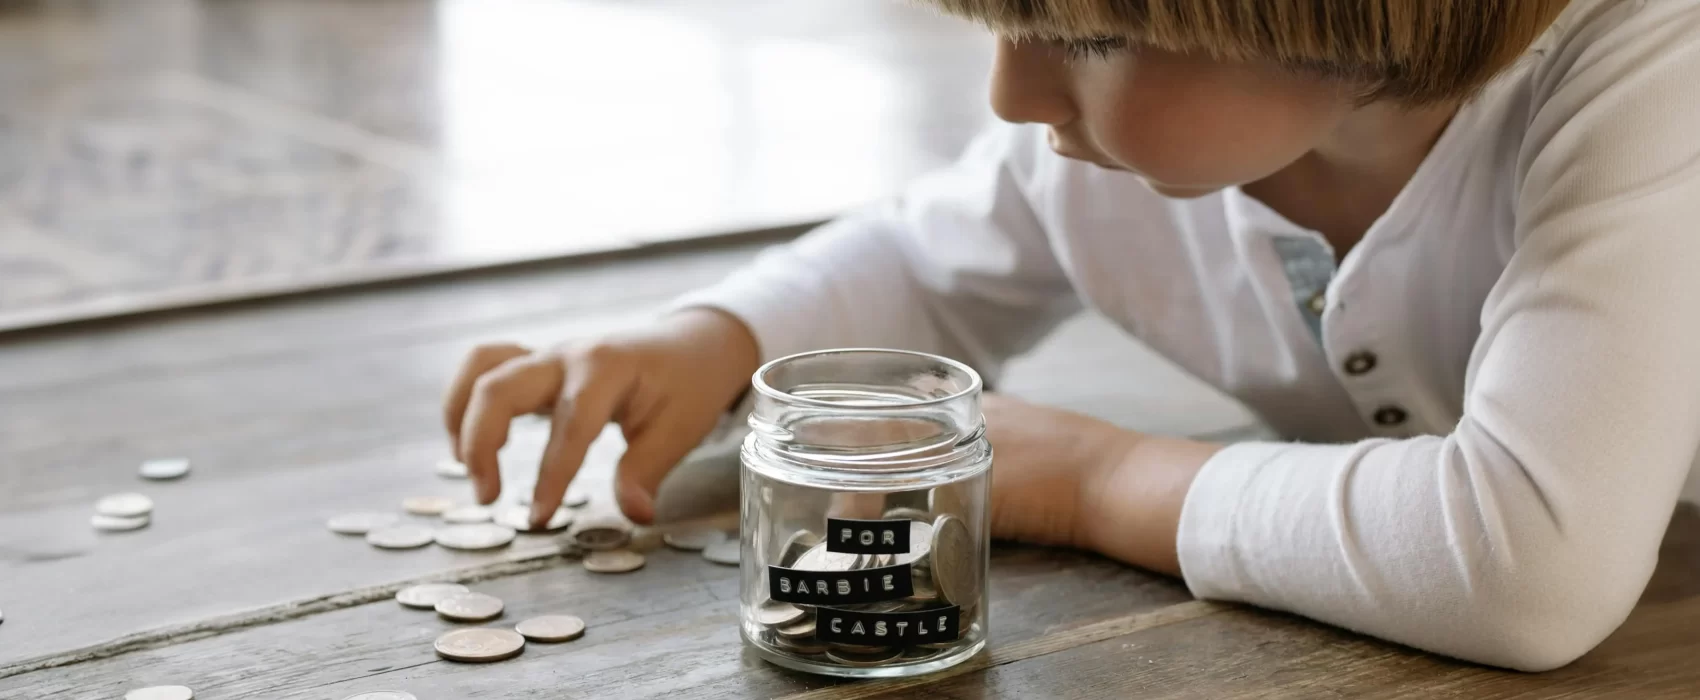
x,y
1100,47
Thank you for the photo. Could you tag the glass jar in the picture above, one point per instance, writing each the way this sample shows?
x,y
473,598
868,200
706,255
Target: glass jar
x,y
865,482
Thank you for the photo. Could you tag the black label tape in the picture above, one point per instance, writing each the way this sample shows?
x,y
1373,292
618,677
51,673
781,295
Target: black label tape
x,y
888,629
867,536
839,587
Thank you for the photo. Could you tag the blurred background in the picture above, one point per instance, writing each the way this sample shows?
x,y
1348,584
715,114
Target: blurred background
x,y
163,153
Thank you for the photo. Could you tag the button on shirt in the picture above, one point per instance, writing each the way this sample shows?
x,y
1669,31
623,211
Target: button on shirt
x,y
1490,412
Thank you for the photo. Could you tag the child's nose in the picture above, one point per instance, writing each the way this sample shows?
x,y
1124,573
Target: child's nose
x,y
1029,84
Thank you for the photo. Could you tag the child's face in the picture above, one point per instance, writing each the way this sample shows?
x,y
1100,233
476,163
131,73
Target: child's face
x,y
1188,125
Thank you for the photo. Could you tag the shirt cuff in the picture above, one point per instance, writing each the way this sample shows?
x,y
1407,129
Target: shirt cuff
x,y
1211,563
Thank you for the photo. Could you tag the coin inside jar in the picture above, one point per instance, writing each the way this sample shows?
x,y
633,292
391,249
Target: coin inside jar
x,y
470,607
804,627
795,547
480,645
805,646
776,614
954,568
853,659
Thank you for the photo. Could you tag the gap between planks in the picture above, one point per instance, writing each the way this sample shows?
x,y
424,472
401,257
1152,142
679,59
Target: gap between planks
x,y
513,564
1026,649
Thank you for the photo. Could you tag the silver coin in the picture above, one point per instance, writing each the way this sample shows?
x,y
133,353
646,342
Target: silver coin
x,y
920,545
450,469
361,523
124,505
425,596
954,566
617,561
797,630
400,537
777,614
576,499
519,518
693,539
164,469
480,645
859,648
383,695
469,607
467,515
161,692
804,646
427,505
819,559
107,523
796,547
725,552
551,628
475,537
906,513
602,534
853,659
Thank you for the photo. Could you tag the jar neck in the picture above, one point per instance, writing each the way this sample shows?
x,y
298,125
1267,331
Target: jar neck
x,y
869,412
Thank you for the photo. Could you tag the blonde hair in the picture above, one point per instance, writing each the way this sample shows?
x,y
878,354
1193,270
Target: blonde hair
x,y
1414,51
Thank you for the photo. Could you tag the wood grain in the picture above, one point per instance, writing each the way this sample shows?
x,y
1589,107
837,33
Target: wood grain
x,y
666,628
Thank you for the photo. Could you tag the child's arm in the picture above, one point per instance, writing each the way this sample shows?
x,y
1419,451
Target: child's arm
x,y
958,266
1525,537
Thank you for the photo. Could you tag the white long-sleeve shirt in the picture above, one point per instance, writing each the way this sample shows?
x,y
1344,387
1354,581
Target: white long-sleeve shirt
x,y
1494,401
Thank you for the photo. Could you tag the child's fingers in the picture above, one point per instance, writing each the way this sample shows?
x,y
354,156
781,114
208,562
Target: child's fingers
x,y
649,457
516,387
482,359
594,391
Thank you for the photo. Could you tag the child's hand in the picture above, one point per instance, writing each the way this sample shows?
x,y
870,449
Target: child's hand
x,y
666,385
1047,460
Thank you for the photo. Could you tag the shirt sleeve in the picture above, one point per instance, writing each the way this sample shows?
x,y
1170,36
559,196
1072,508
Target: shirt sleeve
x,y
1524,537
958,266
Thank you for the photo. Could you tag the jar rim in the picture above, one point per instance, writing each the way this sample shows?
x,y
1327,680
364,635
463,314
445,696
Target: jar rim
x,y
759,381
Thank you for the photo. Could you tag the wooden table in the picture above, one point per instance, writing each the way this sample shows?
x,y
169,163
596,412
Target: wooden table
x,y
298,409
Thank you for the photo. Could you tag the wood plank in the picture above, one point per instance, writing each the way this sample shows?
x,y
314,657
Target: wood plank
x,y
1253,654
667,628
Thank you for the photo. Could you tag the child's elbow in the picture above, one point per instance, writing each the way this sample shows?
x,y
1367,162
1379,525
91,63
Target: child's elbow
x,y
1549,618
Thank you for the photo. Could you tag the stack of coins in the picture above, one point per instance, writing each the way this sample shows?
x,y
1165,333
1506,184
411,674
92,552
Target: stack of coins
x,y
944,572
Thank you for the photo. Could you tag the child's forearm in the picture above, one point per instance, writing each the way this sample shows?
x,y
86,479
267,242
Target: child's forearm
x,y
1132,511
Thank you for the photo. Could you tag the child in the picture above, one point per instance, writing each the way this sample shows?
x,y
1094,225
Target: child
x,y
1448,247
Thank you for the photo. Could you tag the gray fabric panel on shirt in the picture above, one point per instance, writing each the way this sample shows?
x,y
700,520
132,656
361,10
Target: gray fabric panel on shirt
x,y
1309,265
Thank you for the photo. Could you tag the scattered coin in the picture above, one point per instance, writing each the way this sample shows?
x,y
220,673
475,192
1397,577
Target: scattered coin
x,y
776,614
602,534
161,692
466,515
124,505
693,539
575,499
727,552
164,469
427,505
400,537
450,469
480,645
107,523
383,695
551,628
519,518
954,566
617,561
425,596
475,537
470,607
361,523
853,659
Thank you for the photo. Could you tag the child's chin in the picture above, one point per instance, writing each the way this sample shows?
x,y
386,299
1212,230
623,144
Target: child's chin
x,y
1179,191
